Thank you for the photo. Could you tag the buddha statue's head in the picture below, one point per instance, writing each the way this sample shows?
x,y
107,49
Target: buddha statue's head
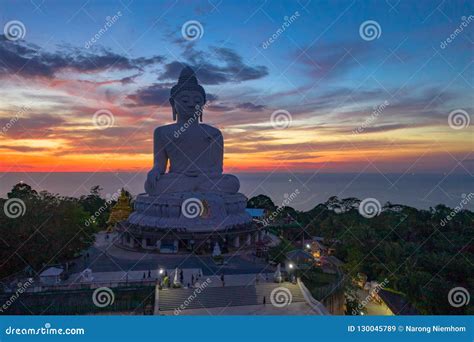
x,y
187,97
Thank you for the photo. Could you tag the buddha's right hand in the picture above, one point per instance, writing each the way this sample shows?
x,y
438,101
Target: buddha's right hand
x,y
151,181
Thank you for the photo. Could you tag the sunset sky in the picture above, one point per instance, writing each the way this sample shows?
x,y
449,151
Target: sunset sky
x,y
319,69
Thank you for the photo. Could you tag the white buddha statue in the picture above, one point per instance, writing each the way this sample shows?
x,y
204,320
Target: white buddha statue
x,y
192,151
186,190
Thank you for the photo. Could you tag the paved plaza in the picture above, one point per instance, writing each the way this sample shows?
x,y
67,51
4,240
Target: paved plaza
x,y
105,257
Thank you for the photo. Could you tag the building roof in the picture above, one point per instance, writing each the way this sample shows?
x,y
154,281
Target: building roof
x,y
255,212
51,272
298,254
397,303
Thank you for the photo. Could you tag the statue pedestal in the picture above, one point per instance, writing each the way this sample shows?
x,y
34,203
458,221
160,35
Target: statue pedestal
x,y
181,221
191,211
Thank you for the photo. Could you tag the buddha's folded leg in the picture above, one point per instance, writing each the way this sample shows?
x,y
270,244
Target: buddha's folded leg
x,y
219,183
169,183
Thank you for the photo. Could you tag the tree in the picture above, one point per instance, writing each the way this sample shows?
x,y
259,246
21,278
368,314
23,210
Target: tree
x,y
261,202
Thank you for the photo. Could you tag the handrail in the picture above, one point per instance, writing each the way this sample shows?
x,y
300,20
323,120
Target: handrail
x,y
317,306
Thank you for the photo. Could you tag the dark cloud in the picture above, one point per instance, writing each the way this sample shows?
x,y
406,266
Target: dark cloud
x,y
157,94
250,107
231,68
25,149
334,59
28,60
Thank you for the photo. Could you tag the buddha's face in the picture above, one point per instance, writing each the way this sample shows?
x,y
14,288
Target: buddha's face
x,y
188,104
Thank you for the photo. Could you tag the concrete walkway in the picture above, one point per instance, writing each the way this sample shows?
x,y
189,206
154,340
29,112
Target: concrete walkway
x,y
293,309
189,274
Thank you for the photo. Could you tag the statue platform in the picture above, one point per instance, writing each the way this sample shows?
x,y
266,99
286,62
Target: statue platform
x,y
191,211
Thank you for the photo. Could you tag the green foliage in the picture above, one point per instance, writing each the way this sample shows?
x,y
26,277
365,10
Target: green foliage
x,y
261,202
419,256
278,253
51,230
97,207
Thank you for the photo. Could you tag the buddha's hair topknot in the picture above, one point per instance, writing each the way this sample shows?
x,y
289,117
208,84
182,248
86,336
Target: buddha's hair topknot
x,y
187,81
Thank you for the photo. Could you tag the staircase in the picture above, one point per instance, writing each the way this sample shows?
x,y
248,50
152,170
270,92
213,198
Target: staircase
x,y
213,297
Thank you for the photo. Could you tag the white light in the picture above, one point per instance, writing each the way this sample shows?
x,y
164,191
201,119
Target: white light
x,y
307,245
290,265
161,271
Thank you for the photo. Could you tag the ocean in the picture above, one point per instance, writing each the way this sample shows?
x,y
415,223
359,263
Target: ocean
x,y
302,190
